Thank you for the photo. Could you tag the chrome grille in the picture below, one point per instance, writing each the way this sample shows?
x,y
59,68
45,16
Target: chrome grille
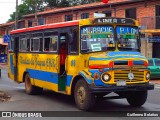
x,y
123,75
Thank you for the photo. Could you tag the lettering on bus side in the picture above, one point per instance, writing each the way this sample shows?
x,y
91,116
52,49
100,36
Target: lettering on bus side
x,y
34,61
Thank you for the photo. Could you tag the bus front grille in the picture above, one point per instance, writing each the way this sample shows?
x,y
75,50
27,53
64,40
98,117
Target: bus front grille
x,y
123,75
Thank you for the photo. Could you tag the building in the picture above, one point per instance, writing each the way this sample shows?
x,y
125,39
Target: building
x,y
4,30
146,11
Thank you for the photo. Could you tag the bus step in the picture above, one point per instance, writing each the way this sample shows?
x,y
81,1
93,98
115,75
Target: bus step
x,y
62,92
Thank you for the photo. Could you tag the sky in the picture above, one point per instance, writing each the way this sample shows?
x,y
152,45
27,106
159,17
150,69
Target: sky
x,y
7,7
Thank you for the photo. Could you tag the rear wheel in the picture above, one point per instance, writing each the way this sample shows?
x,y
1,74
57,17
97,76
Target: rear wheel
x,y
137,99
31,89
83,98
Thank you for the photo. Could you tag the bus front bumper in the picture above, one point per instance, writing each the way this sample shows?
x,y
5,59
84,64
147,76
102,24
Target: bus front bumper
x,y
115,88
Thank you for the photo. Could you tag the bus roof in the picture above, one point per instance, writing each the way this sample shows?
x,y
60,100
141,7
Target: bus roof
x,y
82,22
47,26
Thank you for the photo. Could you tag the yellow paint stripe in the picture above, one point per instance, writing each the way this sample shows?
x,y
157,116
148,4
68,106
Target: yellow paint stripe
x,y
46,85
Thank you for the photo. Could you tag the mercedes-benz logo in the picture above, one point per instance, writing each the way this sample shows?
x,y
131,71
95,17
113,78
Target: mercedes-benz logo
x,y
130,76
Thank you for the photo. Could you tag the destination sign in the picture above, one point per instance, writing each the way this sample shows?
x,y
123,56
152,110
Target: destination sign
x,y
114,20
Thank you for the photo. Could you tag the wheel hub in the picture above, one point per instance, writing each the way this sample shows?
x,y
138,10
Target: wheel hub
x,y
81,94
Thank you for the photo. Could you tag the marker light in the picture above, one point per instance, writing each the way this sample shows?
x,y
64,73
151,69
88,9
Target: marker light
x,y
96,76
145,63
130,63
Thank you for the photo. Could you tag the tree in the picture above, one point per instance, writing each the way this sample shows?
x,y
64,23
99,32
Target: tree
x,y
27,7
81,2
51,3
32,4
64,3
57,3
23,9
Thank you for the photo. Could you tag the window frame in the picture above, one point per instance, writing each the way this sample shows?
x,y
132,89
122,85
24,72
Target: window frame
x,y
134,8
69,44
83,15
26,38
66,17
39,20
54,31
149,60
155,62
11,44
32,38
31,23
107,12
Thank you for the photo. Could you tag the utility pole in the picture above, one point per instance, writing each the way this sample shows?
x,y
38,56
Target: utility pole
x,y
36,13
16,15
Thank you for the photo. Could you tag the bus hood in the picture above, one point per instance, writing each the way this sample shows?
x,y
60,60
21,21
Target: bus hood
x,y
117,58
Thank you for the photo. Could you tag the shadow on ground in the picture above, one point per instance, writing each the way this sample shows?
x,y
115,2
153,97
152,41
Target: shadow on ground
x,y
100,105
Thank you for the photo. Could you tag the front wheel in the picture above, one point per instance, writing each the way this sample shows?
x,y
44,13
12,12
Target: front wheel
x,y
137,99
83,98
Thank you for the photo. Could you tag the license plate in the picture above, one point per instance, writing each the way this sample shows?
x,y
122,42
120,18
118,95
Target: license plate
x,y
121,83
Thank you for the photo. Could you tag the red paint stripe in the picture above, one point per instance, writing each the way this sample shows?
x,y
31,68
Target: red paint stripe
x,y
47,26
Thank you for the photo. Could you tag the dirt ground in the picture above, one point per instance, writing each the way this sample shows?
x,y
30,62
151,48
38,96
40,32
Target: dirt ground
x,y
4,96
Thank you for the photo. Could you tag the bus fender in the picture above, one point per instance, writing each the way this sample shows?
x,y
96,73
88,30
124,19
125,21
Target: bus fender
x,y
87,77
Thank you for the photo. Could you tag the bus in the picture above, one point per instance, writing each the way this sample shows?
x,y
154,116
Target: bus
x,y
88,58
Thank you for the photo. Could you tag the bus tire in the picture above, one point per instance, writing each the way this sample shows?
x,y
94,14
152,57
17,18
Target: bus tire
x,y
31,89
83,98
137,98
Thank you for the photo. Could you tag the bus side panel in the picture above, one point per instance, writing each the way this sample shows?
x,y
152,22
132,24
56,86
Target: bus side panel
x,y
11,66
74,64
42,68
23,63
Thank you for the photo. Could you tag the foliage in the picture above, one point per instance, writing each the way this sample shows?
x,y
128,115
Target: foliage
x,y
27,7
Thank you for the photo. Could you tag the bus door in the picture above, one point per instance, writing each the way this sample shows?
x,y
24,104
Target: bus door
x,y
15,58
68,54
63,50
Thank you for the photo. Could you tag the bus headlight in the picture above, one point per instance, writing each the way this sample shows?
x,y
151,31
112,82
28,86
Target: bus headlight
x,y
148,76
106,77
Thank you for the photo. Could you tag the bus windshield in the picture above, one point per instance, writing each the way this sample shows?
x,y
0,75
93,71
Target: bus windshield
x,y
127,37
97,38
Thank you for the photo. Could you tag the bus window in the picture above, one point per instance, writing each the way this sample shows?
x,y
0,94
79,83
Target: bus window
x,y
53,43
36,42
97,38
50,42
12,43
73,43
127,38
23,45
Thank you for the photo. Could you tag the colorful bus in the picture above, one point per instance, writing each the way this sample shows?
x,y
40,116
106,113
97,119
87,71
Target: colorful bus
x,y
88,58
